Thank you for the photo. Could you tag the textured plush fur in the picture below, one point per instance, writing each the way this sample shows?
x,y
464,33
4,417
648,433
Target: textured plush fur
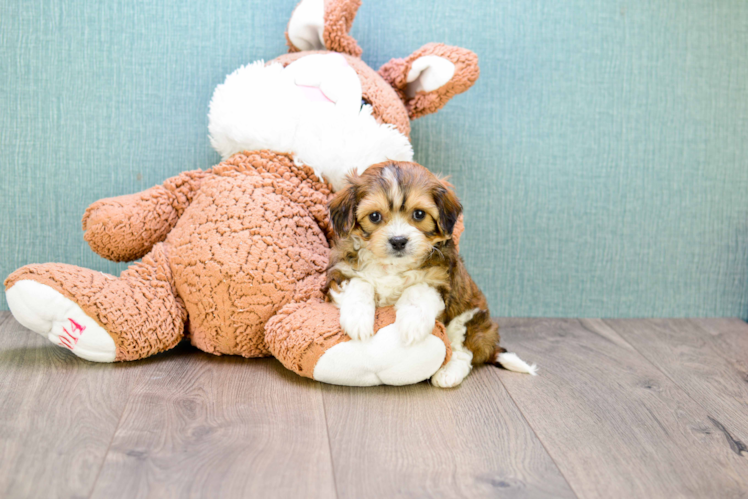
x,y
426,280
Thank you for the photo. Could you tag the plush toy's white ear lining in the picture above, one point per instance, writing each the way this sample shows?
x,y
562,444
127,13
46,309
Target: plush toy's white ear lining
x,y
428,73
307,25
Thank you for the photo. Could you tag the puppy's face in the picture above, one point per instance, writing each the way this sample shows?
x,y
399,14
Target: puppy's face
x,y
396,210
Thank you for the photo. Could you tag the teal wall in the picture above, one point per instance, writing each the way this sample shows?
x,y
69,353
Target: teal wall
x,y
602,157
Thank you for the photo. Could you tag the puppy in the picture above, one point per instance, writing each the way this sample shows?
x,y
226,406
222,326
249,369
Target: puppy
x,y
393,245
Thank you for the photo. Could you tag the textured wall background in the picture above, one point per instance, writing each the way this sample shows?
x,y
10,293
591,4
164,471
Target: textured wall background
x,y
602,157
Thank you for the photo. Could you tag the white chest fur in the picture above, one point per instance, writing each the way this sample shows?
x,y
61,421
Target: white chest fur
x,y
391,277
389,282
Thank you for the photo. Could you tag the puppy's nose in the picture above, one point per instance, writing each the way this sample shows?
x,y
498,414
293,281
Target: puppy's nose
x,y
398,242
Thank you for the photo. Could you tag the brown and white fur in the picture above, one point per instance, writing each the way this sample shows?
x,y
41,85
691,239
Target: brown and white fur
x,y
393,246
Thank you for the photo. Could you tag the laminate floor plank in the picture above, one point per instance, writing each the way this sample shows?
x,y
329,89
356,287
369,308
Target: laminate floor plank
x,y
729,336
200,425
422,441
58,414
616,425
623,408
707,358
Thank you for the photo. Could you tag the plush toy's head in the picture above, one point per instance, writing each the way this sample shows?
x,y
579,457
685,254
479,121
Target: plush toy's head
x,y
326,106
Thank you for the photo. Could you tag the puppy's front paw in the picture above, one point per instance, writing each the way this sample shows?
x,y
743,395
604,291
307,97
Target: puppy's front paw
x,y
357,320
449,376
411,324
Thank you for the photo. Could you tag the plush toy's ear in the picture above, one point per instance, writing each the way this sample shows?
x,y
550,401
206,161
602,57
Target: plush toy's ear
x,y
431,76
323,25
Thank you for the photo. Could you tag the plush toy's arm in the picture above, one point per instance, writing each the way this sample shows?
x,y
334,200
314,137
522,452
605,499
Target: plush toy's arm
x,y
126,227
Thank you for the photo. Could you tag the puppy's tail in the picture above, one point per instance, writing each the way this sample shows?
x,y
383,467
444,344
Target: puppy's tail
x,y
510,361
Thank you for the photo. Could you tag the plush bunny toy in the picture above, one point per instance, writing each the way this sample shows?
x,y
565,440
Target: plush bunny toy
x,y
234,257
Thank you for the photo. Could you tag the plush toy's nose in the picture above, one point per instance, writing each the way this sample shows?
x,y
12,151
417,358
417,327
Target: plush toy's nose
x,y
327,78
314,94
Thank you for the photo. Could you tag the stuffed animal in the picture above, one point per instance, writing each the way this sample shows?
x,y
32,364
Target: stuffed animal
x,y
235,256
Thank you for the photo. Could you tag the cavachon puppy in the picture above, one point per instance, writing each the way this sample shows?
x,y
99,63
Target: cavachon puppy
x,y
393,246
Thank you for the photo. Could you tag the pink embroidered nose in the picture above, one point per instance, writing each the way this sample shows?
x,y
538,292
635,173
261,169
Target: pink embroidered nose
x,y
314,94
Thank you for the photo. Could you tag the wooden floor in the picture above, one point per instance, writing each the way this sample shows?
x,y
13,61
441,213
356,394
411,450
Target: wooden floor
x,y
623,408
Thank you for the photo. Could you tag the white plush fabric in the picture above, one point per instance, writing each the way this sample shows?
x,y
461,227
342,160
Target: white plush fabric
x,y
307,25
269,107
47,312
381,359
428,73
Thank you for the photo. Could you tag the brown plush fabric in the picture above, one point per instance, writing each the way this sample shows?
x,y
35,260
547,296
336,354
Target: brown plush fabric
x,y
253,240
386,105
301,333
125,228
339,16
140,309
251,237
395,72
457,232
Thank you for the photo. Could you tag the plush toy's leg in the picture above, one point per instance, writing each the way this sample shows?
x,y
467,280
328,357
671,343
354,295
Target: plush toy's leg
x,y
97,316
307,339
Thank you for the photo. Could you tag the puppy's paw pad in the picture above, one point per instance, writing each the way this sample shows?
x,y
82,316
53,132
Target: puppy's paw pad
x,y
412,326
357,321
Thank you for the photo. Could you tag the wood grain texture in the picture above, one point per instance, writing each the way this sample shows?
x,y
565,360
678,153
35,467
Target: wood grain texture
x,y
58,414
206,426
707,359
420,441
728,336
656,411
615,425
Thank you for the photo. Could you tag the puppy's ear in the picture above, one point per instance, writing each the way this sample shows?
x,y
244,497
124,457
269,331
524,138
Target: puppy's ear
x,y
343,210
449,207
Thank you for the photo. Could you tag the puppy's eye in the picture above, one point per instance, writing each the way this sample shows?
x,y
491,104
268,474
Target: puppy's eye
x,y
365,102
419,214
375,217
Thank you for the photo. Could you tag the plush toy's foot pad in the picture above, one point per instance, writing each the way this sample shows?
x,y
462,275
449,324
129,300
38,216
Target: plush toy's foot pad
x,y
46,311
381,359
